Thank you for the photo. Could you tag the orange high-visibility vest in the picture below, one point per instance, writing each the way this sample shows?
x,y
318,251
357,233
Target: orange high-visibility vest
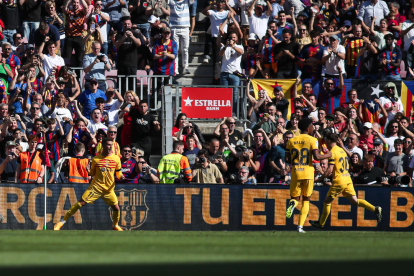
x,y
30,172
77,170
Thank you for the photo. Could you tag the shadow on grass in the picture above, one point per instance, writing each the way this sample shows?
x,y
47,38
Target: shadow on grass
x,y
347,268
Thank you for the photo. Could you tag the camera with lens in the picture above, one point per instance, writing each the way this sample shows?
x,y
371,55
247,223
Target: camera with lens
x,y
245,158
401,180
202,160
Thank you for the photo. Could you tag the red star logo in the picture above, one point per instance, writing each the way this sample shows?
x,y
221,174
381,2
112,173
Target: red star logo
x,y
276,85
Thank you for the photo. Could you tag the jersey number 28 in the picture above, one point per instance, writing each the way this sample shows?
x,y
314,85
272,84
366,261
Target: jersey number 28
x,y
300,157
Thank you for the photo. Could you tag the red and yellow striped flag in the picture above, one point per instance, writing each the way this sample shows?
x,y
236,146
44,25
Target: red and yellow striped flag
x,y
407,97
270,84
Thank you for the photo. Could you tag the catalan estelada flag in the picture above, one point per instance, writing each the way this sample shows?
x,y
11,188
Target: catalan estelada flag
x,y
407,97
370,112
270,84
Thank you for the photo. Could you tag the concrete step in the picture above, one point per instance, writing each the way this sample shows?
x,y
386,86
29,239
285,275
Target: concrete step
x,y
196,47
194,80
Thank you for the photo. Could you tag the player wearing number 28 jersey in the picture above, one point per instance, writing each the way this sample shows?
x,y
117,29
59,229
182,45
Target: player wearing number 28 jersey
x,y
300,151
341,182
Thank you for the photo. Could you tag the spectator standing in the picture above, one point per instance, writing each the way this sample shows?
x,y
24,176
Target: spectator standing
x,y
114,9
232,54
233,132
5,75
51,61
142,124
217,18
379,151
126,45
102,19
46,30
353,43
334,56
137,8
165,52
59,112
94,65
206,172
262,146
91,34
391,101
327,95
55,18
12,60
379,35
173,164
180,25
390,59
269,120
87,98
216,157
160,9
243,5
116,149
191,151
258,19
112,105
243,176
311,57
286,53
353,142
75,20
277,156
9,12
30,164
393,131
31,15
370,9
395,161
347,12
368,63
8,165
407,33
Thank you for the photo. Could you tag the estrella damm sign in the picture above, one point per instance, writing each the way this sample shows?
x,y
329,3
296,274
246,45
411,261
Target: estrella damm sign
x,y
200,207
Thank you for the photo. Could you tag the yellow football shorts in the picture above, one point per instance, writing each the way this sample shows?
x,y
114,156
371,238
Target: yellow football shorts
x,y
301,187
347,190
91,194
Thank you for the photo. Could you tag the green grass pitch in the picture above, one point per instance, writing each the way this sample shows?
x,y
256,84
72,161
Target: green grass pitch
x,y
205,253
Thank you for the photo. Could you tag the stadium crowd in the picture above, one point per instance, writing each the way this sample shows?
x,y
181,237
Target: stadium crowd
x,y
330,40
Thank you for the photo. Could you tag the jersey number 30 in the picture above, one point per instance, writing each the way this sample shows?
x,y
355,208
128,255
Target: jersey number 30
x,y
344,164
300,158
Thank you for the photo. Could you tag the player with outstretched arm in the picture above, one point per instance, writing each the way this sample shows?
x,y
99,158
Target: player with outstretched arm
x,y
341,182
104,167
299,153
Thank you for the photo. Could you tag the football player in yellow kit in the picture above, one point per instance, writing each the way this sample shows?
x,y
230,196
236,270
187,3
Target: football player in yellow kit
x,y
299,153
103,169
341,182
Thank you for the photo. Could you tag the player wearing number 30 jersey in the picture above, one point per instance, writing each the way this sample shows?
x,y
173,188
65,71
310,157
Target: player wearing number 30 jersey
x,y
300,151
341,182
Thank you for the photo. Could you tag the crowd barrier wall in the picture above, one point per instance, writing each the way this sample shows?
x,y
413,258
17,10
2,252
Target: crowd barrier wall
x,y
200,207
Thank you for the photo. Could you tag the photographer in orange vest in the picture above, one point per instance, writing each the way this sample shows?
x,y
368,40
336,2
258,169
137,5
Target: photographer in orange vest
x,y
76,168
30,164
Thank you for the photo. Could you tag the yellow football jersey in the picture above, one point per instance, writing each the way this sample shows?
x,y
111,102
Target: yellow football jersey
x,y
103,170
301,148
340,160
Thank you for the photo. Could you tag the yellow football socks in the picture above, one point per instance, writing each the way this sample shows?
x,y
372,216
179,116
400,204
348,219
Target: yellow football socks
x,y
115,217
303,212
366,205
72,211
325,213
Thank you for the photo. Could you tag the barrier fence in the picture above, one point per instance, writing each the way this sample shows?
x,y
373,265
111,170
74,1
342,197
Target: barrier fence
x,y
199,207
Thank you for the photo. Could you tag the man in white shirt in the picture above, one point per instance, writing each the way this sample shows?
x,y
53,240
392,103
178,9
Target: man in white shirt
x,y
370,9
50,60
407,32
180,29
244,23
112,105
334,56
217,17
258,20
60,112
353,142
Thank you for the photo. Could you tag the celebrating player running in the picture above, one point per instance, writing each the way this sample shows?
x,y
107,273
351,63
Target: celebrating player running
x,y
104,167
299,152
341,182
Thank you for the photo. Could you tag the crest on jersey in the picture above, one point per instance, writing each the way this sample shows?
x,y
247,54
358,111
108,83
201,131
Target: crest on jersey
x,y
134,209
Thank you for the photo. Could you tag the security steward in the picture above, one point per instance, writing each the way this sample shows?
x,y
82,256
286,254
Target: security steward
x,y
173,165
30,164
76,168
